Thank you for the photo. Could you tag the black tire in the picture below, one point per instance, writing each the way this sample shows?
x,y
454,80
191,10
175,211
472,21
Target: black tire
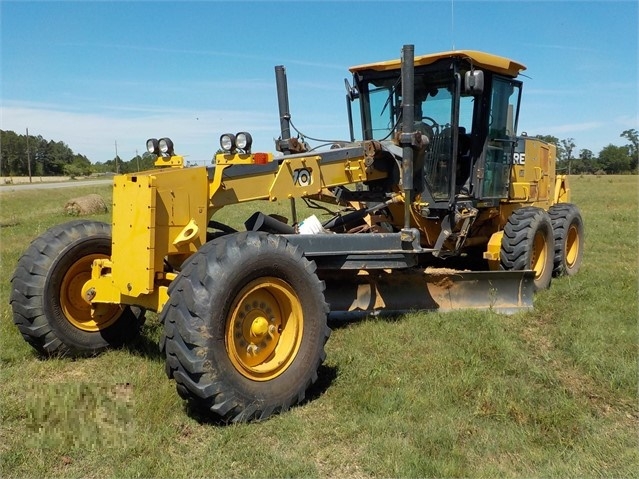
x,y
528,243
231,285
568,228
46,294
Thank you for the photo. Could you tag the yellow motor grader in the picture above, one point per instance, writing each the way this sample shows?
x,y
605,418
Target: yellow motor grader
x,y
436,204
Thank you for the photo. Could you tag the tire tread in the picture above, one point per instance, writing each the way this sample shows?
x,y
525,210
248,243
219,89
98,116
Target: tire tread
x,y
187,336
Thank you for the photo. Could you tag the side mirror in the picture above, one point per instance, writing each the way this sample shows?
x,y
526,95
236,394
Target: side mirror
x,y
351,92
474,82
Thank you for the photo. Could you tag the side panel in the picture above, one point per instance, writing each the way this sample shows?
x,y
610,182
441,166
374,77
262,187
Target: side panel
x,y
533,172
155,214
133,230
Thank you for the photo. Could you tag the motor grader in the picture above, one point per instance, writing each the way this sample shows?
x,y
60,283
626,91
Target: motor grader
x,y
435,203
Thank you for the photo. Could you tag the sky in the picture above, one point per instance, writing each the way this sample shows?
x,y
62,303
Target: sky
x,y
101,75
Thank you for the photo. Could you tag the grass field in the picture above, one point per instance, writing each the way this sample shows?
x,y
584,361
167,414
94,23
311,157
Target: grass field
x,y
546,393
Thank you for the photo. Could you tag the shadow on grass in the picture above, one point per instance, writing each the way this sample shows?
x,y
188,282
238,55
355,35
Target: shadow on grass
x,y
325,377
346,320
146,347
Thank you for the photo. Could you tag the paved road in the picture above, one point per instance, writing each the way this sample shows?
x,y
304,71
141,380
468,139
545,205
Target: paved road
x,y
57,184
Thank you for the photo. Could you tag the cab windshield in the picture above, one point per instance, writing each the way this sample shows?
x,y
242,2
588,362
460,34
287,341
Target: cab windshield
x,y
486,129
434,102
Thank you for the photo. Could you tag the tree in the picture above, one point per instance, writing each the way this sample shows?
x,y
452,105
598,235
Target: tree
x,y
81,166
586,155
567,145
148,161
141,163
59,155
47,157
614,159
633,137
549,139
11,151
585,163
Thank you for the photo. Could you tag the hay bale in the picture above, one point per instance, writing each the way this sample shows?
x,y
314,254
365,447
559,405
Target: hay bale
x,y
86,205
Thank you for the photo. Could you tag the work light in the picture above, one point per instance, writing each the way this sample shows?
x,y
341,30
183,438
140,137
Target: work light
x,y
243,141
152,146
227,142
166,146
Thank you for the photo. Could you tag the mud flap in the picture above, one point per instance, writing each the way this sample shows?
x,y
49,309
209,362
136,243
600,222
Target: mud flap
x,y
360,293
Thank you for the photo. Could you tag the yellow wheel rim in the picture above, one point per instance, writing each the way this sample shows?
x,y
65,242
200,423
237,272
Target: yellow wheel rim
x,y
539,254
79,312
572,246
264,329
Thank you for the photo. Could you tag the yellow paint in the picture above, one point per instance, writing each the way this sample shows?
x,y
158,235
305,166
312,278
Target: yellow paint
x,y
264,329
172,161
74,298
562,190
188,233
493,250
152,210
243,158
533,181
259,327
573,246
489,61
539,254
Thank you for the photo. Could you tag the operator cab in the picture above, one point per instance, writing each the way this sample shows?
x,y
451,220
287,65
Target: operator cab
x,y
466,103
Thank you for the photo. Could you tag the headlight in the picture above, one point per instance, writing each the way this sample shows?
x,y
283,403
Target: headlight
x,y
243,141
166,146
227,142
152,146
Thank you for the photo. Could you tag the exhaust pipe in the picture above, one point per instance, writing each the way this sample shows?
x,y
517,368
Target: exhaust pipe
x,y
261,222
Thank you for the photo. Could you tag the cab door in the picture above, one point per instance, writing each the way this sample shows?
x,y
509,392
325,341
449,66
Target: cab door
x,y
494,171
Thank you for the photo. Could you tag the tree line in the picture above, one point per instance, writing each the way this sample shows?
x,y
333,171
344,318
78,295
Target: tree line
x,y
21,155
611,160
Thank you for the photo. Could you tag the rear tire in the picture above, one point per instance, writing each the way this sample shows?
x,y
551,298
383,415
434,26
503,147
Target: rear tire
x,y
568,228
245,327
46,295
528,243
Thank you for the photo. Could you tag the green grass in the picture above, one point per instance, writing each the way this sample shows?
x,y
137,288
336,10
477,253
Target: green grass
x,y
546,393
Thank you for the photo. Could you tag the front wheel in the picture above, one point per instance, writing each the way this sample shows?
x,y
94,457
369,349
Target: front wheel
x,y
245,326
46,294
528,243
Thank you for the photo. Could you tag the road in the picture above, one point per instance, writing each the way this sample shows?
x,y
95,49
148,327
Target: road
x,y
58,184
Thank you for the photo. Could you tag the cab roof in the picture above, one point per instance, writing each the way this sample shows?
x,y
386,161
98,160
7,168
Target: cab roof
x,y
488,61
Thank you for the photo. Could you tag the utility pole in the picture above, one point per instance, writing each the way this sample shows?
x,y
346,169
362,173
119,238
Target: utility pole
x,y
116,157
28,157
569,145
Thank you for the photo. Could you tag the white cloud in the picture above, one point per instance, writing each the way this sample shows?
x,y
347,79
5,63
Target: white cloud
x,y
575,127
560,47
628,121
93,134
213,53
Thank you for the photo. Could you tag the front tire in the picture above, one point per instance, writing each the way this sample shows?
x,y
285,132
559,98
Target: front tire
x,y
528,243
568,228
46,295
245,327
